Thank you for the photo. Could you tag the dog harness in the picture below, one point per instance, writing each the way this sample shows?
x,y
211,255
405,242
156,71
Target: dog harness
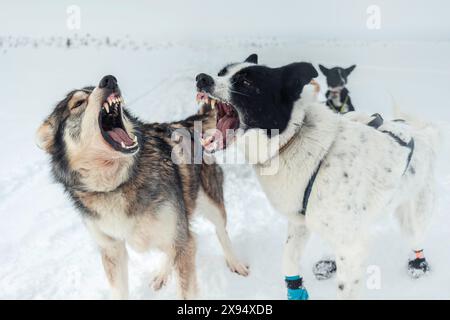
x,y
309,188
339,109
375,123
378,121
409,145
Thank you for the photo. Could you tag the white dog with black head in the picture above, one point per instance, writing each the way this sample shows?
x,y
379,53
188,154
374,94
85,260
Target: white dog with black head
x,y
333,176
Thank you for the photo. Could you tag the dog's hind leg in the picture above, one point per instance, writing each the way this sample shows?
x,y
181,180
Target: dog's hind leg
x,y
350,262
414,217
185,267
298,235
211,204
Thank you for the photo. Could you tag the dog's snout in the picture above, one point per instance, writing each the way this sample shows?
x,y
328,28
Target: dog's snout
x,y
108,82
204,81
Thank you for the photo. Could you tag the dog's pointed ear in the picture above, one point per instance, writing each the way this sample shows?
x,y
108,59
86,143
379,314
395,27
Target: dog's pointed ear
x,y
324,70
295,77
253,58
45,136
350,69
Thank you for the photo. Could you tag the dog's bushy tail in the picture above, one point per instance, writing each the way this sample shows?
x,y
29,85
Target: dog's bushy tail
x,y
433,132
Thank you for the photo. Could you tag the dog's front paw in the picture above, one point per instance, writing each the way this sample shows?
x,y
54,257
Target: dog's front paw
x,y
418,267
160,280
298,294
295,288
238,267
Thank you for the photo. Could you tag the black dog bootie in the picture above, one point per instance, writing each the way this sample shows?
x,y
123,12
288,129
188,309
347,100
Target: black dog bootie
x,y
419,266
324,269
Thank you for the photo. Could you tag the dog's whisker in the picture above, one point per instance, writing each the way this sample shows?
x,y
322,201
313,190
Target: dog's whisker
x,y
237,92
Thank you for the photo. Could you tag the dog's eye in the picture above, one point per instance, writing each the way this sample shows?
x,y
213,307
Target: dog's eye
x,y
242,78
78,104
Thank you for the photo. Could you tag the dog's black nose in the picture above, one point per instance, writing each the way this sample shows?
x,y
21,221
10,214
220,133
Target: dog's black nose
x,y
204,81
108,82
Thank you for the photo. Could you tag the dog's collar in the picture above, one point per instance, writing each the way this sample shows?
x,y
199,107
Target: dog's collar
x,y
282,148
290,141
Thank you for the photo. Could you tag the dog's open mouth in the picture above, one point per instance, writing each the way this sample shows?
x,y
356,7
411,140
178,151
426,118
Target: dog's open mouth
x,y
227,122
112,127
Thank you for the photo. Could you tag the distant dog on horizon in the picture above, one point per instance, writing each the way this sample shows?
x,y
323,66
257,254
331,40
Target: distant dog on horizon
x,y
338,98
120,174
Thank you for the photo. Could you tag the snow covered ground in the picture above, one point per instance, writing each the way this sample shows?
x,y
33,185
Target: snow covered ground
x,y
45,251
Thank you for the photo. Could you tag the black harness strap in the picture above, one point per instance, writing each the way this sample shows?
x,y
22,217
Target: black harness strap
x,y
308,189
396,138
377,121
410,145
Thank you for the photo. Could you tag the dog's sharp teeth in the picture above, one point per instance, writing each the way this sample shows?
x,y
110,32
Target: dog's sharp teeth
x,y
135,139
213,103
106,107
123,144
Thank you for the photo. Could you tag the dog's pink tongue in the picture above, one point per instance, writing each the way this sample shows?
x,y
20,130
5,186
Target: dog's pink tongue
x,y
226,123
119,135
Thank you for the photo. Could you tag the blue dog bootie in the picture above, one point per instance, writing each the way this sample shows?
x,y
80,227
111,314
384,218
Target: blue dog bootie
x,y
295,288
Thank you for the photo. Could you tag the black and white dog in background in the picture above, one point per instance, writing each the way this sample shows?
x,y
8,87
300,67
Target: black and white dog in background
x,y
338,98
335,176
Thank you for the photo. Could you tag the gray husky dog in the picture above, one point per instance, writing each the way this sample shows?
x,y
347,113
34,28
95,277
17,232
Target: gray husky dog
x,y
120,174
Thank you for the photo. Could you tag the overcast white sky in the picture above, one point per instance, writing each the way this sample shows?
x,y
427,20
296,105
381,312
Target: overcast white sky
x,y
313,19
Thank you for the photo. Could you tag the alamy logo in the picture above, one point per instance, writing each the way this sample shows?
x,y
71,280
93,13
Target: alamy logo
x,y
73,21
374,17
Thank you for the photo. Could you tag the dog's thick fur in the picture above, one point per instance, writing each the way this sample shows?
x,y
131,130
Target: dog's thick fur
x,y
144,199
362,173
